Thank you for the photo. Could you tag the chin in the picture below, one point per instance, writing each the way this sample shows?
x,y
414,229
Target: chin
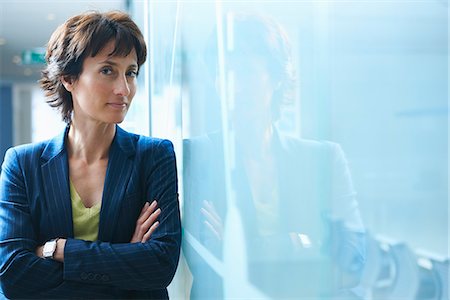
x,y
112,120
115,119
118,120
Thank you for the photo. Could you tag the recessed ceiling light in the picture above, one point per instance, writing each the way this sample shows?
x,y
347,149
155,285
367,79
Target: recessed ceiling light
x,y
27,72
17,59
50,17
2,41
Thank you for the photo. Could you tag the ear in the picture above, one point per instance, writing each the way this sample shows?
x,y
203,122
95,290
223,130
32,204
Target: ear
x,y
67,81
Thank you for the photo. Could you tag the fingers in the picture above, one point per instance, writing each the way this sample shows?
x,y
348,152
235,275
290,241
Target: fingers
x,y
146,223
144,209
149,226
150,221
210,208
149,232
213,220
147,210
213,230
212,217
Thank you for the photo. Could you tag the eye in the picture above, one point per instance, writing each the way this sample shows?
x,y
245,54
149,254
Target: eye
x,y
132,73
106,71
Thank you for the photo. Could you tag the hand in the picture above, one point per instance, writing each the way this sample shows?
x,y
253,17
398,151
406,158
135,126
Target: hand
x,y
213,221
59,252
40,251
146,223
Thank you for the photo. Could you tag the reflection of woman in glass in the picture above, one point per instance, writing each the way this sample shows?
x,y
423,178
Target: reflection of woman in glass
x,y
92,213
301,221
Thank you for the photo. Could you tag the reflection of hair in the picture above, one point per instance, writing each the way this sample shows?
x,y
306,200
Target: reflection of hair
x,y
257,35
80,36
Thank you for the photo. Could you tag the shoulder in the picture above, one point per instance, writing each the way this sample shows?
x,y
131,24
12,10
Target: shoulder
x,y
307,146
152,149
23,159
145,144
202,143
312,152
153,153
142,144
26,152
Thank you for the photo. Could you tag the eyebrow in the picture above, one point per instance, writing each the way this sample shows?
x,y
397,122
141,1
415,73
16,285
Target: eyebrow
x,y
110,62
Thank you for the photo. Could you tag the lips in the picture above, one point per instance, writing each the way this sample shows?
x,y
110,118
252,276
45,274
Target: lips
x,y
118,105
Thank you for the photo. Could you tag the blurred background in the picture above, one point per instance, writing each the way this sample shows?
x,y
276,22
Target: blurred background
x,y
344,181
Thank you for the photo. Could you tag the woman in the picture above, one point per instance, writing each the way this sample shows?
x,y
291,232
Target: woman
x,y
75,212
303,235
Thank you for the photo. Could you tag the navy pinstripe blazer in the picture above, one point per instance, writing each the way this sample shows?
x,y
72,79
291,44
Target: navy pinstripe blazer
x,y
35,207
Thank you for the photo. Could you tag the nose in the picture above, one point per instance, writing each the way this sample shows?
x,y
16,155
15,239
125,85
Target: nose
x,y
121,86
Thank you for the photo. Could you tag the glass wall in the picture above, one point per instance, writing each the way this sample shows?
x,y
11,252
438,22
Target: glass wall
x,y
312,145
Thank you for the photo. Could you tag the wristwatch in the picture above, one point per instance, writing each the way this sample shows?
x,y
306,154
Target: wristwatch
x,y
49,248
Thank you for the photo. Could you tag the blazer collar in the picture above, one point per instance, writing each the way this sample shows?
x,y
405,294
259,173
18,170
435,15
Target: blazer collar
x,y
118,174
124,141
55,146
55,180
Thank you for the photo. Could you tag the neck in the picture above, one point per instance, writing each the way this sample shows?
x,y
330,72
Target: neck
x,y
258,144
88,142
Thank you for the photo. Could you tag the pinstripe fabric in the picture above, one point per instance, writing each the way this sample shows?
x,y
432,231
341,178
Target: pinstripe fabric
x,y
35,207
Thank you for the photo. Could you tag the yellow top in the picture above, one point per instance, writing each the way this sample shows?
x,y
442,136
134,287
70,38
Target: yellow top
x,y
85,220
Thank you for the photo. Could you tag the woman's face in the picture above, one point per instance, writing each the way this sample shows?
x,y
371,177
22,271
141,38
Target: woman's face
x,y
105,88
252,91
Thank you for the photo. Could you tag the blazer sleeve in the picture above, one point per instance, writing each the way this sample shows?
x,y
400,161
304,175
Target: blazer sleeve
x,y
343,201
22,273
348,234
136,266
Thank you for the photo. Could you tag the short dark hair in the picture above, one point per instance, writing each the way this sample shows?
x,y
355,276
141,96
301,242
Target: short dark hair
x,y
82,36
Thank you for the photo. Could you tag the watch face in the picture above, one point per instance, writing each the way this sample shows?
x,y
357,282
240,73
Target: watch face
x,y
49,249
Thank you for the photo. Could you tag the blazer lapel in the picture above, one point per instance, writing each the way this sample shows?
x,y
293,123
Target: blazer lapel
x,y
118,174
55,178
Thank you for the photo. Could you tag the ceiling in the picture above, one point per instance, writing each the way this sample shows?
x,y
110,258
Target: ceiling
x,y
27,24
